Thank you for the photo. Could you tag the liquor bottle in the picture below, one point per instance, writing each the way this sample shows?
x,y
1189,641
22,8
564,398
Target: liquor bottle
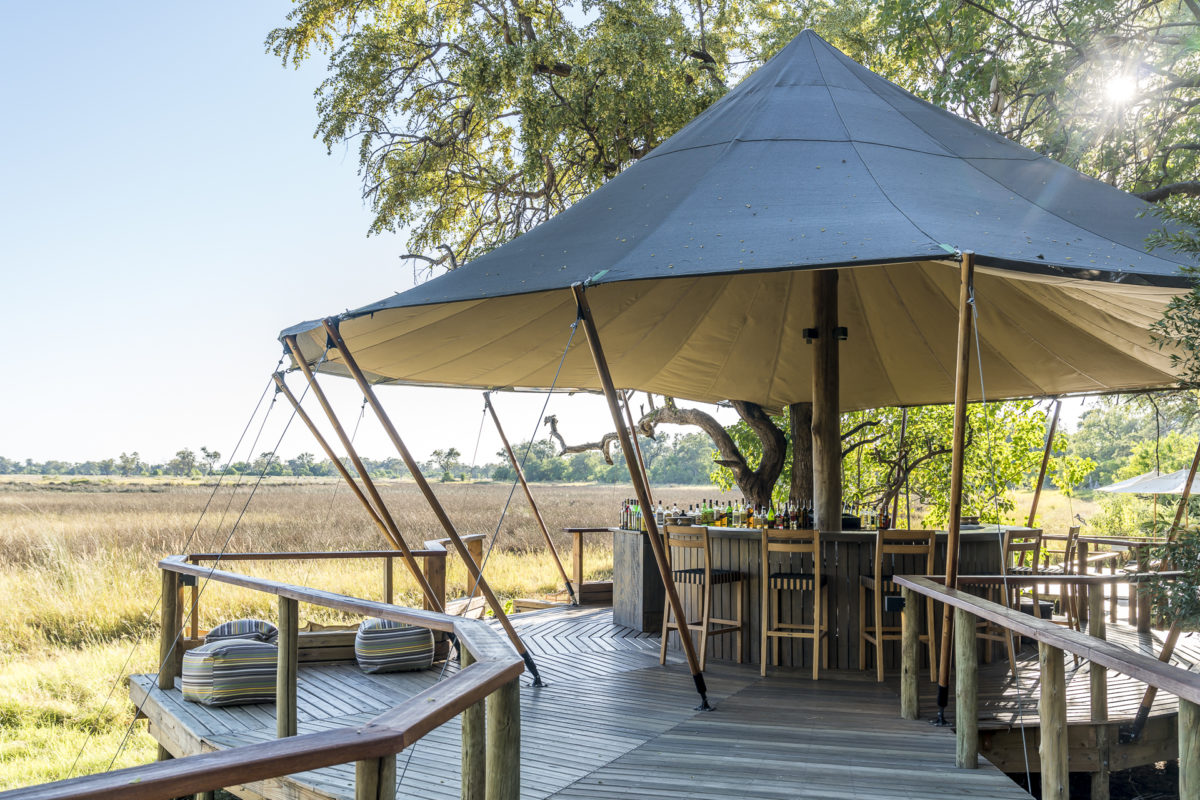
x,y
750,520
728,513
660,516
794,516
771,515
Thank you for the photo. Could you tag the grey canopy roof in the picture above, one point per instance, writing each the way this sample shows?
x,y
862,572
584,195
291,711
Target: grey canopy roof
x,y
696,257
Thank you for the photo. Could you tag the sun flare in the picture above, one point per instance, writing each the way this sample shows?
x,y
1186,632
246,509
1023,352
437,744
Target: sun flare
x,y
1120,89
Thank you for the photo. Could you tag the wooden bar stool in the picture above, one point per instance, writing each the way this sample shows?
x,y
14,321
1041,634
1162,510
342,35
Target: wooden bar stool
x,y
705,577
889,545
782,577
1062,561
1021,554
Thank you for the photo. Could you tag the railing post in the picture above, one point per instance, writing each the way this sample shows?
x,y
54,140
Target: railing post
x,y
375,779
1143,592
474,774
170,648
577,563
1083,596
1189,750
389,583
910,667
1099,679
475,548
1052,711
966,686
504,743
434,568
285,677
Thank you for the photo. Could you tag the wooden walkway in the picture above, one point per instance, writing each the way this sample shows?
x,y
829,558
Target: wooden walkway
x,y
613,723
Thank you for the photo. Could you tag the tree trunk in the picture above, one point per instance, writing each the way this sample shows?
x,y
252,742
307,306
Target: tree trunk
x,y
800,429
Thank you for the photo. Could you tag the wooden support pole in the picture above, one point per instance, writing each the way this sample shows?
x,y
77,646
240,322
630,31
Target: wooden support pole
x,y
961,378
1189,750
1143,712
474,774
577,560
966,690
389,581
285,676
826,419
170,647
1052,712
331,329
910,647
537,515
1037,487
333,458
1083,603
1187,493
475,550
633,437
1099,699
396,538
375,779
503,766
640,487
435,573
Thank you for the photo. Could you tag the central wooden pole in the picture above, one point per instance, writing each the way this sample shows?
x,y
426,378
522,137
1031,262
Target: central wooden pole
x,y
640,488
512,459
1037,489
826,407
435,505
961,375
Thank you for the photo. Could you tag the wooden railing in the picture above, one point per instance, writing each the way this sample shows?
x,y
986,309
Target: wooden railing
x,y
485,691
1054,642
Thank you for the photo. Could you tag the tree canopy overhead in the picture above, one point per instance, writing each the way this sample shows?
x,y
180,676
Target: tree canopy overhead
x,y
477,120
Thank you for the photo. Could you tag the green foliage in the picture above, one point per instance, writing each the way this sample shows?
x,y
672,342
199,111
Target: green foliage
x,y
1068,471
1180,597
670,459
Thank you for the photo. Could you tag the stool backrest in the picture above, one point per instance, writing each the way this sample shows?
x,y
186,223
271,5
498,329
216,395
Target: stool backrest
x,y
1066,552
686,537
892,543
1021,549
792,541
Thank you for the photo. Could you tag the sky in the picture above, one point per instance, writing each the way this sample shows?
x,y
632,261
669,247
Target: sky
x,y
164,212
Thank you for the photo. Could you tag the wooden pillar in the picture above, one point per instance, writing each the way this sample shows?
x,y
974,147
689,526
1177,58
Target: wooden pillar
x,y
504,743
1052,712
435,572
1083,603
474,774
1099,698
1142,555
910,664
389,581
958,444
285,677
1037,487
826,408
475,548
170,647
1189,750
375,779
966,690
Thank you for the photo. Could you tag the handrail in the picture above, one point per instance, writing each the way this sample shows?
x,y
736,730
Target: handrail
x,y
1040,578
301,555
1139,666
495,666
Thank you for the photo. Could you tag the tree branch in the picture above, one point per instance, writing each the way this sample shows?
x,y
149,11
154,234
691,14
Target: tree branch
x,y
1186,188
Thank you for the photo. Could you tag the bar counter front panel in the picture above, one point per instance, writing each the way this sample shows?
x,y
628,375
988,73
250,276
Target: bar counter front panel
x,y
638,593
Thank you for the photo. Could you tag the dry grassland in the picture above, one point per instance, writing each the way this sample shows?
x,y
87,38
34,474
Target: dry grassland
x,y
80,586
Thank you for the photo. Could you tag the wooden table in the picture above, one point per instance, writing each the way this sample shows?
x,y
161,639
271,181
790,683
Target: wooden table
x,y
590,591
638,594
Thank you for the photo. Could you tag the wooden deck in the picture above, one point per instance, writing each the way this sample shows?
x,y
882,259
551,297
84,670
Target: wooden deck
x,y
613,723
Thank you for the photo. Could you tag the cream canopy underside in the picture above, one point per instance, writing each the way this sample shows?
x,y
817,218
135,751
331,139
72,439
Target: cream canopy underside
x,y
717,337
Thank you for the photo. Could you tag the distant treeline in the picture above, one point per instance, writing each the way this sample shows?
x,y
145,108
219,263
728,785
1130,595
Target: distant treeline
x,y
682,458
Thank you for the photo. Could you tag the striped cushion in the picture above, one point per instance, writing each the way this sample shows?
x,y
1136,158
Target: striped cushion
x,y
696,576
230,672
254,629
793,580
385,646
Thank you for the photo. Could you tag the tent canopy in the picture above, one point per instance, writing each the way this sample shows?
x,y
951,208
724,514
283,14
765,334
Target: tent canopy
x,y
1154,483
696,258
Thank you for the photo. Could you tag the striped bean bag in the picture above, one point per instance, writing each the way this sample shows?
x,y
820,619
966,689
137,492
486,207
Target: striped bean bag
x,y
255,629
230,672
385,646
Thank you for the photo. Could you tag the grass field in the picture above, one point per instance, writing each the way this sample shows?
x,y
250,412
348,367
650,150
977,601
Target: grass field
x,y
78,575
80,586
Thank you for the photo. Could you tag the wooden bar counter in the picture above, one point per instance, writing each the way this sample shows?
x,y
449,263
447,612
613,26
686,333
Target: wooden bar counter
x,y
638,590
